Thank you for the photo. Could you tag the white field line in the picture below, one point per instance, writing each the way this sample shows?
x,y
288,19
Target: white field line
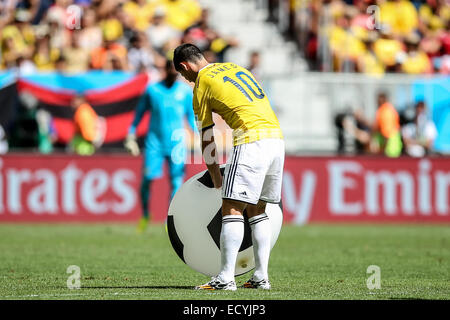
x,y
61,295
97,296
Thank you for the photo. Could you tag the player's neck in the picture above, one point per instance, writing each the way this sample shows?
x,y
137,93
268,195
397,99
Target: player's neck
x,y
202,64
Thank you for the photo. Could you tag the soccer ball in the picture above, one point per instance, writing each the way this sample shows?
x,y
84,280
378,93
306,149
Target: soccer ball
x,y
194,224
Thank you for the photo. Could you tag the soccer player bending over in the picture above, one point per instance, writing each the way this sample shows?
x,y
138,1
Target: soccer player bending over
x,y
254,170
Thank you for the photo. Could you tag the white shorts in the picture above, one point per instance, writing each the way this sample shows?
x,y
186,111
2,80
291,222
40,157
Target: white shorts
x,y
254,172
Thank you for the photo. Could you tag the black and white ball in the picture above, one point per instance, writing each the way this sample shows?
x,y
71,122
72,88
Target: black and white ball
x,y
194,224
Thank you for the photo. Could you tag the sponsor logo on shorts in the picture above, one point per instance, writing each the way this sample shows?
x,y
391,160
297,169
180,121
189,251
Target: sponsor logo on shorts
x,y
243,194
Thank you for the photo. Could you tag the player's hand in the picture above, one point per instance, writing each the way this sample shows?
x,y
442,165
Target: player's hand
x,y
131,144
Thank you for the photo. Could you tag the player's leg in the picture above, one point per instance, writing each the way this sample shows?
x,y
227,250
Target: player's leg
x,y
235,198
261,236
152,169
231,237
232,232
258,219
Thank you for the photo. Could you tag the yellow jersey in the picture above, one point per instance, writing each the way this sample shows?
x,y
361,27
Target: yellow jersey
x,y
232,92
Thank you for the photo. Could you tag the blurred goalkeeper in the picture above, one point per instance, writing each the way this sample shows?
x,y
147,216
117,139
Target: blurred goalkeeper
x,y
170,103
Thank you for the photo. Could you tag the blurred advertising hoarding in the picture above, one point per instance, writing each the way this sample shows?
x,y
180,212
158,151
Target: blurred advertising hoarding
x,y
105,188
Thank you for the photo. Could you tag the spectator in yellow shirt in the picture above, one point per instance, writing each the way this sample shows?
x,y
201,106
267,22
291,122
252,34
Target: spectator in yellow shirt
x,y
387,49
345,43
182,13
141,12
435,14
45,56
415,61
21,22
111,28
400,15
368,63
13,46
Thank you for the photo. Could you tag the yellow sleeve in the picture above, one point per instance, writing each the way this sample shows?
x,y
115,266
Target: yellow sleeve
x,y
202,108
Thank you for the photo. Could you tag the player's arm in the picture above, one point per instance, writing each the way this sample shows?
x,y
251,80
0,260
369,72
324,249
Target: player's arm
x,y
131,140
203,114
205,123
209,152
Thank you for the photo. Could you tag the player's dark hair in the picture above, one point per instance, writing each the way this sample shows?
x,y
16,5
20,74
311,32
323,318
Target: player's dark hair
x,y
186,52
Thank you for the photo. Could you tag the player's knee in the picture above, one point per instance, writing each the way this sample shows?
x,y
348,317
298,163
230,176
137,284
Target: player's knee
x,y
256,209
232,207
261,206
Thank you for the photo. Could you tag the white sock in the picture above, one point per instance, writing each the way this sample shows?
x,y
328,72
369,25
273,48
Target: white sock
x,y
231,238
261,236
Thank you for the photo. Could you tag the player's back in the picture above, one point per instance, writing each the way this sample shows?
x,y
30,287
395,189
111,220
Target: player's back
x,y
232,92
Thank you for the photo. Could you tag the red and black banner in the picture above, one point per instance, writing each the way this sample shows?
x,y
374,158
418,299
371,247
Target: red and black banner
x,y
116,105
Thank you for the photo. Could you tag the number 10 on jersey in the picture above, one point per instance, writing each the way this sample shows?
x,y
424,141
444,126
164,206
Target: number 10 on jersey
x,y
242,76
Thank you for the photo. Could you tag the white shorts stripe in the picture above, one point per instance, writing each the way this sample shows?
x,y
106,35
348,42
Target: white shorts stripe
x,y
227,174
232,171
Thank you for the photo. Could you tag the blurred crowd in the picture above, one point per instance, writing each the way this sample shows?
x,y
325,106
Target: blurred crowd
x,y
391,133
377,36
367,36
75,36
82,35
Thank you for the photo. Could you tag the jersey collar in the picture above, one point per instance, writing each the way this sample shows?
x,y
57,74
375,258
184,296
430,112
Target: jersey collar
x,y
205,67
200,71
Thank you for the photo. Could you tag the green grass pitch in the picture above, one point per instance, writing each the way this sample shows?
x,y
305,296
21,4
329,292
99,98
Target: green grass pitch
x,y
309,262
